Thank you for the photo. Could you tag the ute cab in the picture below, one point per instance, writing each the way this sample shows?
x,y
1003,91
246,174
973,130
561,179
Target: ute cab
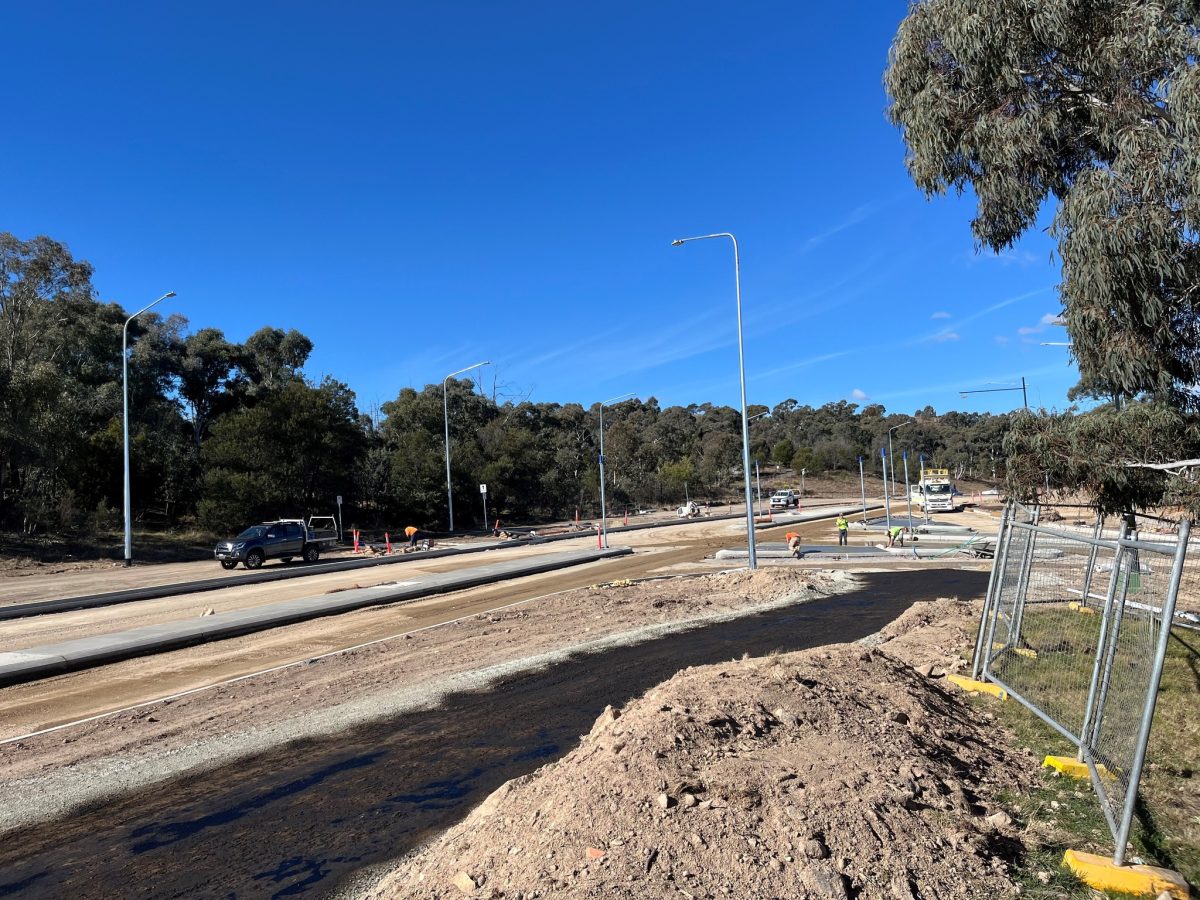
x,y
785,499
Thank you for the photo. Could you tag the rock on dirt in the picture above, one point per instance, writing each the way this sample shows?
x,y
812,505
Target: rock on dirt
x,y
824,773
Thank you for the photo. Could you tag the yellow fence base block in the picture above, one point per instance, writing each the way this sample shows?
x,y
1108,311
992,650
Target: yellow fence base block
x,y
977,687
1069,765
1147,881
1020,651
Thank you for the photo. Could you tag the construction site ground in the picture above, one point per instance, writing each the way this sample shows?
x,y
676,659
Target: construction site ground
x,y
314,775
317,777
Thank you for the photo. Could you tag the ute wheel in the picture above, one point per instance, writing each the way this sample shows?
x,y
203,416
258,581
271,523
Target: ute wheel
x,y
254,559
311,553
229,564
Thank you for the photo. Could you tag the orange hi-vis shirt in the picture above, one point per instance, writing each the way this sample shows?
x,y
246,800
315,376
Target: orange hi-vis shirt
x,y
410,530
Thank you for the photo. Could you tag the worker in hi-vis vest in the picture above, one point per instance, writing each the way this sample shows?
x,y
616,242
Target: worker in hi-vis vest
x,y
895,536
793,543
843,527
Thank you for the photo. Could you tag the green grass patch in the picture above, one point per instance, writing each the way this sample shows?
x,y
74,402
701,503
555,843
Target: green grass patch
x,y
1063,813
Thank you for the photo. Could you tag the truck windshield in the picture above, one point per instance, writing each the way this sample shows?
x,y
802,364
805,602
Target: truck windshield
x,y
937,488
254,531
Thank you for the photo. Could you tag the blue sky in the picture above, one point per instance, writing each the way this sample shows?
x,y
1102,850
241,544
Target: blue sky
x,y
418,187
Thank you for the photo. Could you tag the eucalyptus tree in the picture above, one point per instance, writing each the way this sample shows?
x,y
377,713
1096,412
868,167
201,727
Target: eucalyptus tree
x,y
1090,109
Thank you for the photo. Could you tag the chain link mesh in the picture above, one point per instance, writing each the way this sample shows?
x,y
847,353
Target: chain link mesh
x,y
1074,633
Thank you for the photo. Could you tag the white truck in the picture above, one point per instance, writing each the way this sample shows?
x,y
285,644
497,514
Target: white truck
x,y
935,491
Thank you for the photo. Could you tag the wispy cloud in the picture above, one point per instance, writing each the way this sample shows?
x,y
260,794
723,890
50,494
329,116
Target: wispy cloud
x,y
804,363
956,326
1021,258
857,215
567,349
941,314
946,336
859,394
1043,323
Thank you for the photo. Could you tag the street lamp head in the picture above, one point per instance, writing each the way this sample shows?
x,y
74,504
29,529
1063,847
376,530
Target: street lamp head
x,y
677,243
168,294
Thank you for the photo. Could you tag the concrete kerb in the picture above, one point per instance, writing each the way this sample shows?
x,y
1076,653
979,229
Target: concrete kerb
x,y
38,662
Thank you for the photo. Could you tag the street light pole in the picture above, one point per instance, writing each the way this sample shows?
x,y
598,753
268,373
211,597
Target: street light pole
x,y
862,483
887,504
892,454
446,423
737,281
907,489
125,420
757,480
603,509
758,491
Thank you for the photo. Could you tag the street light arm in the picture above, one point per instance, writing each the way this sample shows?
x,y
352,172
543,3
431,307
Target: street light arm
x,y
613,400
486,362
147,306
679,242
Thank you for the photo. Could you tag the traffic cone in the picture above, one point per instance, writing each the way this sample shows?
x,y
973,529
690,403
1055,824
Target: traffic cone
x,y
355,540
387,539
577,517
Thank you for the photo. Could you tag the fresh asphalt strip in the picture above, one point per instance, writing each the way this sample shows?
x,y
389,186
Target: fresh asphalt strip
x,y
52,659
282,573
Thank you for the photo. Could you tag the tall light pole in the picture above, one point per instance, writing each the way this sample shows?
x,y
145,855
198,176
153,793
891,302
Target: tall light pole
x,y
737,282
757,481
446,422
862,483
603,509
892,454
125,420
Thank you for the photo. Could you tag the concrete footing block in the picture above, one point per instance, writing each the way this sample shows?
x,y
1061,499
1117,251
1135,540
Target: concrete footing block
x,y
1098,872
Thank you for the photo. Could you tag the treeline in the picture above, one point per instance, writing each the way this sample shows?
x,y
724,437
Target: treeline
x,y
225,433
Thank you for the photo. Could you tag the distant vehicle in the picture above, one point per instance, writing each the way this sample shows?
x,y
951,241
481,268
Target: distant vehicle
x,y
689,510
935,491
283,539
785,499
990,492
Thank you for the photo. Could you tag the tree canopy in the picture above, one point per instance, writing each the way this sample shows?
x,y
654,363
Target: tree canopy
x,y
225,433
1090,108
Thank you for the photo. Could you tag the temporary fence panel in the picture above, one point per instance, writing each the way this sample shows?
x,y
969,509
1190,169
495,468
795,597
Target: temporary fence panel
x,y
1075,627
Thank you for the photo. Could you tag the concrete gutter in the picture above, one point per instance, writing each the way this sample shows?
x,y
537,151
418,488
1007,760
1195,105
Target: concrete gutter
x,y
51,659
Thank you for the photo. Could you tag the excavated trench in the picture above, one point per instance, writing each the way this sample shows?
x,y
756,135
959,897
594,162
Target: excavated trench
x,y
311,816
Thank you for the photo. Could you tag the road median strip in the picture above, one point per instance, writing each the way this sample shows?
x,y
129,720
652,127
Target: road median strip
x,y
31,663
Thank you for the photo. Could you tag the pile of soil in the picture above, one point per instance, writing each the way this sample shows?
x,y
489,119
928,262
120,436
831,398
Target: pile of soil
x,y
832,773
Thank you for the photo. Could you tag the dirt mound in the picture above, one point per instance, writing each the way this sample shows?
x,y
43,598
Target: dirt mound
x,y
831,773
931,634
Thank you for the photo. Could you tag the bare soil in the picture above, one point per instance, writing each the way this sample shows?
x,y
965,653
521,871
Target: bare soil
x,y
335,692
830,773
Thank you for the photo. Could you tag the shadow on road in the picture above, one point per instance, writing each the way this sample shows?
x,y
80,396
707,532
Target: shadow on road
x,y
303,817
